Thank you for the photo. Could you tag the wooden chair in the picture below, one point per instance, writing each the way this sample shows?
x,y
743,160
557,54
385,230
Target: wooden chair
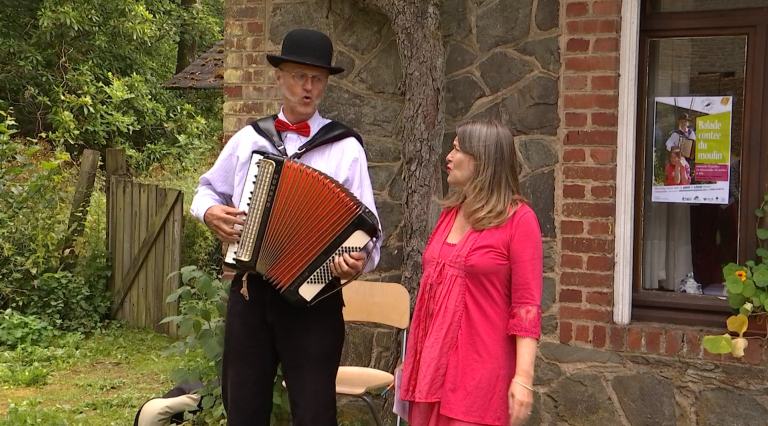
x,y
372,302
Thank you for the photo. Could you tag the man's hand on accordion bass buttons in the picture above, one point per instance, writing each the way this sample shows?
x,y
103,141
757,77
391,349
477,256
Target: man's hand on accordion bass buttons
x,y
221,220
348,265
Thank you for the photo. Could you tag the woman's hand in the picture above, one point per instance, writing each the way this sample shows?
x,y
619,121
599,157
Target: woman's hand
x,y
520,401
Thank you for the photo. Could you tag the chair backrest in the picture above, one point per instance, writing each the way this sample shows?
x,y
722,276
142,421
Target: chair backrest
x,y
382,303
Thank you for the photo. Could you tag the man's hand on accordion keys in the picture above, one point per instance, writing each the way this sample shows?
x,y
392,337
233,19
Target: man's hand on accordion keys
x,y
348,265
221,220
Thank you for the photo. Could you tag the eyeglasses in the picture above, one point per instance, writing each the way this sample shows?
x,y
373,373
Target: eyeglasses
x,y
300,77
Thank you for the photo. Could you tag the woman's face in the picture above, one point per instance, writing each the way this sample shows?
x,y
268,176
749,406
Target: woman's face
x,y
460,166
674,158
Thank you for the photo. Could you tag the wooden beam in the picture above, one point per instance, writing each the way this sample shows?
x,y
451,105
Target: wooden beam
x,y
146,245
89,165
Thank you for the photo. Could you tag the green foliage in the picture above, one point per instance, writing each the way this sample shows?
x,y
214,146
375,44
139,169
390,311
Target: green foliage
x,y
747,290
36,277
17,329
90,72
202,305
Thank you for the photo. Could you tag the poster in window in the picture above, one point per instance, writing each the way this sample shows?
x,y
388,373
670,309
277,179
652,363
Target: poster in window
x,y
692,149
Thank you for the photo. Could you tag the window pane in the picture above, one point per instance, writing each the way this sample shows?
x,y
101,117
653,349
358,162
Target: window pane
x,y
684,238
702,5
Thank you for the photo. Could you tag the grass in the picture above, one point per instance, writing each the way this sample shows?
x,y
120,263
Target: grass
x,y
101,379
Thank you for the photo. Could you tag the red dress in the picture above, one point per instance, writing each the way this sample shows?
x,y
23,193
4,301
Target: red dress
x,y
461,348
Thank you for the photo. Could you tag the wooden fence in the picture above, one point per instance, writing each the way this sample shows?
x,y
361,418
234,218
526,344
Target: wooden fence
x,y
144,238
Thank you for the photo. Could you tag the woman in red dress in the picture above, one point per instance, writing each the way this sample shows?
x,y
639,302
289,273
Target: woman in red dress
x,y
475,329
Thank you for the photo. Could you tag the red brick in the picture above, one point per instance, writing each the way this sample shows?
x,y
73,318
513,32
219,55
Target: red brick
x,y
571,227
634,339
603,191
233,92
598,336
653,341
600,263
586,279
254,59
605,82
591,137
248,13
575,119
566,332
600,228
593,209
592,26
673,341
599,298
608,7
577,45
603,155
255,28
575,82
582,333
594,173
226,138
588,314
692,344
570,296
604,119
571,261
618,335
714,357
574,155
590,101
574,191
592,63
587,245
609,44
573,10
754,352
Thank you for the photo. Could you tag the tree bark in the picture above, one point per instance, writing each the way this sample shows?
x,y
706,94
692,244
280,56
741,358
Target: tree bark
x,y
187,52
416,24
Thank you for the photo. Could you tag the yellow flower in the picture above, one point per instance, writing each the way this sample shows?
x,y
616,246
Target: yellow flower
x,y
742,275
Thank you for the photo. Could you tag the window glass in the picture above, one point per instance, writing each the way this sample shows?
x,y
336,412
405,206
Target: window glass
x,y
690,235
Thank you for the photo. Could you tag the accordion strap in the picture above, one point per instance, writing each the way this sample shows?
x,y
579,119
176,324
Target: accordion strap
x,y
331,132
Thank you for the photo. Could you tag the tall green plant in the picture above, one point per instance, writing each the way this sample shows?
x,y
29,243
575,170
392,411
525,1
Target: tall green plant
x,y
747,289
203,307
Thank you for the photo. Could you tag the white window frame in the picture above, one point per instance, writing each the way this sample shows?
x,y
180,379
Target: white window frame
x,y
625,161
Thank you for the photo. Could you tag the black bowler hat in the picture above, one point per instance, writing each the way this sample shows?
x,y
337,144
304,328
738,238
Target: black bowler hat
x,y
306,47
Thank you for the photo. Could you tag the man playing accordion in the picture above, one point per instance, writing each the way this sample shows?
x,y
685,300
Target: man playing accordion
x,y
263,329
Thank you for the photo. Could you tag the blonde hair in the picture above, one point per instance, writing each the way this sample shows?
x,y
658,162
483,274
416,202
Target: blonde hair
x,y
493,187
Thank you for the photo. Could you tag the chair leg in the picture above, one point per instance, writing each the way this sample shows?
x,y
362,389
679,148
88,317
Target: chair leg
x,y
369,400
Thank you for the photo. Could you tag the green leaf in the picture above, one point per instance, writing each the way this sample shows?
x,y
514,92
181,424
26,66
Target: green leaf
x,y
276,398
169,319
750,263
735,287
760,212
762,253
761,277
718,344
212,350
731,269
221,307
735,301
208,401
762,234
205,314
749,288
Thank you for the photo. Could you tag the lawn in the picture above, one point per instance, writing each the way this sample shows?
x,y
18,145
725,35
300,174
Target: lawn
x,y
101,379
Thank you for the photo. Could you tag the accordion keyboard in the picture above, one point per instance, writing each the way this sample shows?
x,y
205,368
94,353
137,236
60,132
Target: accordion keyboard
x,y
245,200
256,206
355,243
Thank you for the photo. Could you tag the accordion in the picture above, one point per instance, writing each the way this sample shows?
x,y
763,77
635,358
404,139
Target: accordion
x,y
297,221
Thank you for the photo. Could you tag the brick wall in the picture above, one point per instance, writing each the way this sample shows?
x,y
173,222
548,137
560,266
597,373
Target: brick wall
x,y
586,206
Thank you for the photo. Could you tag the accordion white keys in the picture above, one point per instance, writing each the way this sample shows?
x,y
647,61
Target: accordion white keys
x,y
297,221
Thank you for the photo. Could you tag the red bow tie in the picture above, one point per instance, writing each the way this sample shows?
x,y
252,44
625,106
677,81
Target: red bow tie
x,y
302,128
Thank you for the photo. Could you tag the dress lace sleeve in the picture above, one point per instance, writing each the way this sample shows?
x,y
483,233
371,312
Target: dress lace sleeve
x,y
527,270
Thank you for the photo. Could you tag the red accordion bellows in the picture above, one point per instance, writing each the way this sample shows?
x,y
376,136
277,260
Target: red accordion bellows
x,y
308,212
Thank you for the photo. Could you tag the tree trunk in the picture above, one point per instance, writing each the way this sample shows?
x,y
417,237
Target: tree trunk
x,y
187,45
416,24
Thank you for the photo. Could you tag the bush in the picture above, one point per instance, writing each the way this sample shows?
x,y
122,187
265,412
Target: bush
x,y
17,329
68,290
202,306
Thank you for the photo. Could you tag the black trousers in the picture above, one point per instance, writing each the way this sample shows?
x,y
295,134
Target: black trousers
x,y
265,331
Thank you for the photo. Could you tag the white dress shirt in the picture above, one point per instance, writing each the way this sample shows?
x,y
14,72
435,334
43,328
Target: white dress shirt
x,y
343,160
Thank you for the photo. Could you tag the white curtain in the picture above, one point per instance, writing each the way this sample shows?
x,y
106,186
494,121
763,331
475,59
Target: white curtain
x,y
667,247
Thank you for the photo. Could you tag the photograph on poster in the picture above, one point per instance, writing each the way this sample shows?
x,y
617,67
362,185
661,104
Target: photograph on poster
x,y
692,146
